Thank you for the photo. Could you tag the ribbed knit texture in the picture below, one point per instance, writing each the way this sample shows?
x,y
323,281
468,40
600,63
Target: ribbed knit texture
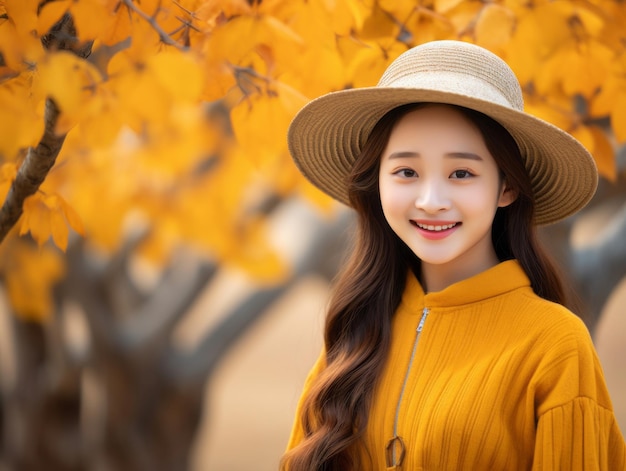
x,y
501,380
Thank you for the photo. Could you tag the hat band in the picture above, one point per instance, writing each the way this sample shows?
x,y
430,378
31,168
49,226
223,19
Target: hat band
x,y
451,82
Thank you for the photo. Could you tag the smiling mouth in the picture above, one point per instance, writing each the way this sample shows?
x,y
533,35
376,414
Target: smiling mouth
x,y
434,228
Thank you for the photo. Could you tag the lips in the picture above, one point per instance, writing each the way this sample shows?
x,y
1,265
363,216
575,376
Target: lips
x,y
436,230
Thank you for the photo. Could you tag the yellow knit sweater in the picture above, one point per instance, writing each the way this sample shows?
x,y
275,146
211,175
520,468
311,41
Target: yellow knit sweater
x,y
498,379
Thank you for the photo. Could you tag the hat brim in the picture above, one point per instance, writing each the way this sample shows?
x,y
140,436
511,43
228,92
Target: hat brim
x,y
327,135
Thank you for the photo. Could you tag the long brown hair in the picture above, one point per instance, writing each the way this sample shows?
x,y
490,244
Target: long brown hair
x,y
369,289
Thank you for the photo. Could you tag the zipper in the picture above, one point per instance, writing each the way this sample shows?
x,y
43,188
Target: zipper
x,y
394,450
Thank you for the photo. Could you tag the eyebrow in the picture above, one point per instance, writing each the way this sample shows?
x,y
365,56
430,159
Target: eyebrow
x,y
451,155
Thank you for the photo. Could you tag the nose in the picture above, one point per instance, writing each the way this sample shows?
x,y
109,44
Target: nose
x,y
432,197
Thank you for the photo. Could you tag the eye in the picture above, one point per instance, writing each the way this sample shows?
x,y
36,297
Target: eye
x,y
461,174
406,173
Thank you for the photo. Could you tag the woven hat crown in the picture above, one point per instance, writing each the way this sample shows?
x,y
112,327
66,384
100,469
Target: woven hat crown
x,y
452,66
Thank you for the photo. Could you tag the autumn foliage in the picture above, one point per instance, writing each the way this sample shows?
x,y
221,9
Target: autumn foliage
x,y
175,121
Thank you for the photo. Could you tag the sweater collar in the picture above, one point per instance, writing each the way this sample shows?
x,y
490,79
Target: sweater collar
x,y
502,278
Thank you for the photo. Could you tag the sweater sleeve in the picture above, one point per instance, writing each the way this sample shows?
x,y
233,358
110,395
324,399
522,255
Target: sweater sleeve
x,y
576,426
579,435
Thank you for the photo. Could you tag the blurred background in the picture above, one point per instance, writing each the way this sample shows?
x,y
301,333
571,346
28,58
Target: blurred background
x,y
164,268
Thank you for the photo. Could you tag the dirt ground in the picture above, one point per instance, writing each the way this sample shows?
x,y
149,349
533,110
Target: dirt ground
x,y
252,399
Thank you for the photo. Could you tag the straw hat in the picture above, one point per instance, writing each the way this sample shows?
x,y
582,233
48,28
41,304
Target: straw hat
x,y
327,135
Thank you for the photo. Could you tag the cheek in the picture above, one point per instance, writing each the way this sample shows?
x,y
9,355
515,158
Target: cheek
x,y
478,201
393,198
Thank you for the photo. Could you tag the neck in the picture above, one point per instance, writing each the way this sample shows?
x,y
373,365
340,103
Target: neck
x,y
437,277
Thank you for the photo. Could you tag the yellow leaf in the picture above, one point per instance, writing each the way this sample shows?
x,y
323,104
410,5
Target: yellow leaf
x,y
349,15
317,71
178,73
592,19
427,25
19,47
401,10
30,274
379,25
618,117
10,47
21,122
580,70
290,98
144,98
368,64
45,216
256,256
118,28
23,14
58,224
260,125
71,82
209,12
91,17
50,14
604,154
463,15
275,32
539,31
235,40
8,172
316,196
59,229
159,246
554,113
36,219
494,26
604,101
102,121
585,136
443,6
72,217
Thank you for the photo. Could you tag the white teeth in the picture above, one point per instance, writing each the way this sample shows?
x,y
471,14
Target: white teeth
x,y
436,228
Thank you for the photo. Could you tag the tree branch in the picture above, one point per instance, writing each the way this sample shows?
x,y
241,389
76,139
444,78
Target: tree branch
x,y
39,160
327,237
163,36
601,266
152,322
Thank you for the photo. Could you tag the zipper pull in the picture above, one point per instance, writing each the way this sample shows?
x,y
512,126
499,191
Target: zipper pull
x,y
420,326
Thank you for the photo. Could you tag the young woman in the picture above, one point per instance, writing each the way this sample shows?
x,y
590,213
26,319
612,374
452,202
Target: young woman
x,y
447,343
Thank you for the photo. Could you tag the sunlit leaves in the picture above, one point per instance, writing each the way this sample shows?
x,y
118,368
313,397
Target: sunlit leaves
x,y
444,6
21,123
95,18
259,112
177,121
50,13
20,48
494,26
7,175
580,70
539,31
48,216
596,140
618,116
148,89
70,82
29,274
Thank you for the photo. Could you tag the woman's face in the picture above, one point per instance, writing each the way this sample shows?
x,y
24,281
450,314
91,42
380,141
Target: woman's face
x,y
439,189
